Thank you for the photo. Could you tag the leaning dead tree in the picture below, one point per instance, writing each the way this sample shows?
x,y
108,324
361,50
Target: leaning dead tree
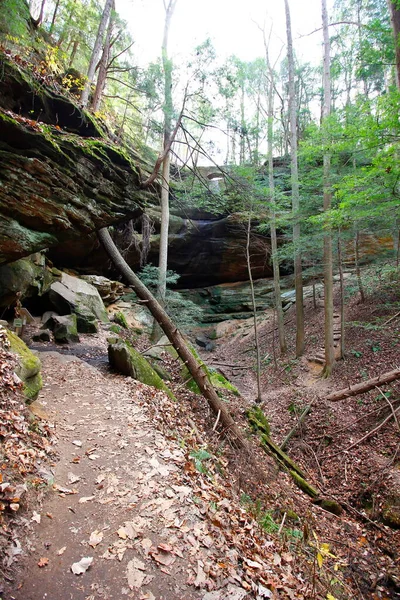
x,y
365,386
196,370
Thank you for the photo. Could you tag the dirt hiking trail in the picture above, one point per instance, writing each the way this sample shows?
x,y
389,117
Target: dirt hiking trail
x,y
119,499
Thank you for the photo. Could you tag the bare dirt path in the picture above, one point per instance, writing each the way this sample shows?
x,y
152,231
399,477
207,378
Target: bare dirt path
x,y
117,498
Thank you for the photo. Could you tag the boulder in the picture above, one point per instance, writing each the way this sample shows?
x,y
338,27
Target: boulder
x,y
110,291
204,342
73,295
28,369
65,329
29,277
128,361
43,336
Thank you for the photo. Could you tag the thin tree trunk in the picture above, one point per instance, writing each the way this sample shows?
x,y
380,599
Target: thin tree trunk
x,y
328,260
253,301
74,51
295,191
167,109
94,59
357,265
105,57
394,11
53,20
242,128
41,13
176,338
342,321
274,243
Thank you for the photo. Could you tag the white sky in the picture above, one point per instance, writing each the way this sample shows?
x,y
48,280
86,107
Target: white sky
x,y
229,23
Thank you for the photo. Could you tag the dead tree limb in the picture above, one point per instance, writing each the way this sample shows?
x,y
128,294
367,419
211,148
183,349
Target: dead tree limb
x,y
365,386
391,406
299,422
166,150
176,339
367,435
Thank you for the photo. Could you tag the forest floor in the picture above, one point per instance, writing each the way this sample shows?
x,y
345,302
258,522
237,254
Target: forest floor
x,y
153,495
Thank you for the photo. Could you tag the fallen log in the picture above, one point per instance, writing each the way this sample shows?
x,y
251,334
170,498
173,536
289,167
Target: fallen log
x,y
365,386
196,370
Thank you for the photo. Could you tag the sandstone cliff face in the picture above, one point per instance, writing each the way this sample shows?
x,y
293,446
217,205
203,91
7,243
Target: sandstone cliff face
x,y
204,250
57,184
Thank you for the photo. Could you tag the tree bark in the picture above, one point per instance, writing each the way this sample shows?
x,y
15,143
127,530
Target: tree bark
x,y
328,261
175,337
167,110
274,243
342,310
103,65
53,20
295,191
94,59
253,301
357,265
365,386
394,11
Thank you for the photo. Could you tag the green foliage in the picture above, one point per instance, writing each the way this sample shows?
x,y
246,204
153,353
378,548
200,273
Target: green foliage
x,y
200,457
184,312
14,18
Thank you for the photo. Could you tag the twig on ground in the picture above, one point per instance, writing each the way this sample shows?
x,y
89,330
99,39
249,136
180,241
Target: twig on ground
x,y
391,319
217,421
367,435
391,406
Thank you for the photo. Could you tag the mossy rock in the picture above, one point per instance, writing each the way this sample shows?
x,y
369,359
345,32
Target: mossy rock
x,y
120,319
391,512
65,329
128,361
115,328
28,369
86,321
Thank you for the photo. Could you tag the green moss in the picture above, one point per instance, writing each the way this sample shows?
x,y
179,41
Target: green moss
x,y
258,420
391,512
120,319
128,361
29,366
217,379
32,387
115,328
304,485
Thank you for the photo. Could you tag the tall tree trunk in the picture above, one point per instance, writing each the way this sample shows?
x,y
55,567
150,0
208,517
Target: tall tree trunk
x,y
295,191
103,65
74,51
167,110
53,20
342,312
165,174
328,261
242,128
274,243
176,338
394,11
253,301
357,265
94,59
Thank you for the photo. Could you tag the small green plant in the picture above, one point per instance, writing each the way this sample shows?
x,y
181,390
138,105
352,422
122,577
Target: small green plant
x,y
200,456
184,312
115,328
356,353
